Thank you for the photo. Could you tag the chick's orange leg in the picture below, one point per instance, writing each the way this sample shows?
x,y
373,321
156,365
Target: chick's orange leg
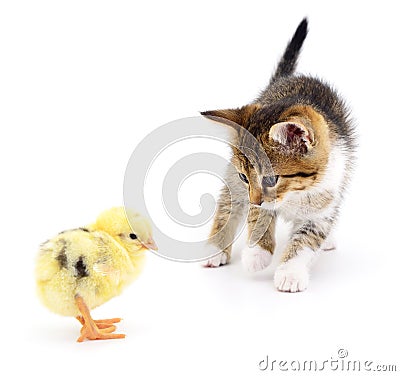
x,y
92,330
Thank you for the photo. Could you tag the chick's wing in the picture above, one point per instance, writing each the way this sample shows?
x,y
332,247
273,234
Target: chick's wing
x,y
110,256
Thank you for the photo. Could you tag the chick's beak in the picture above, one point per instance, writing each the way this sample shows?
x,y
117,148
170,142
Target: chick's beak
x,y
150,244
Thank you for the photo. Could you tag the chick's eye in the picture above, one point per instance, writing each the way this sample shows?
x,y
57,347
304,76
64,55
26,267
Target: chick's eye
x,y
243,177
133,236
270,181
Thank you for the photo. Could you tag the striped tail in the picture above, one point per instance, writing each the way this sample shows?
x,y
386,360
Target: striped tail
x,y
288,62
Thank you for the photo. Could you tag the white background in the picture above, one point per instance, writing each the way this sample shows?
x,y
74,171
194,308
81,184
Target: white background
x,y
81,83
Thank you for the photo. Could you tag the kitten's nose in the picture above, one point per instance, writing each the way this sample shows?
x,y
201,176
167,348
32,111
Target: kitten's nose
x,y
255,196
256,202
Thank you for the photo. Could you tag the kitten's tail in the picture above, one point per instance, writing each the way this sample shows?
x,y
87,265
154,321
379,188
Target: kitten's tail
x,y
288,62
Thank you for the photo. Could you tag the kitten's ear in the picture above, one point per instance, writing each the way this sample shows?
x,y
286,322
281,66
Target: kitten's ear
x,y
232,117
295,136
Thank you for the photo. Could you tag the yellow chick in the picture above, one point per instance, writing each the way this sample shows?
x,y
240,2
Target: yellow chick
x,y
80,269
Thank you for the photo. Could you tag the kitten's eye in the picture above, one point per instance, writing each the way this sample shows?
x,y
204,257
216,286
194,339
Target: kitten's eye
x,y
270,181
243,177
133,236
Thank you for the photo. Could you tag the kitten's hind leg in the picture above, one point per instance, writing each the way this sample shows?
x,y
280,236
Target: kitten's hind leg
x,y
329,243
226,220
261,240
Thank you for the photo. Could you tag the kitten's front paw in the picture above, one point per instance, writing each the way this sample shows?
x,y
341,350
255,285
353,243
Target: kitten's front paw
x,y
291,278
219,259
255,259
216,261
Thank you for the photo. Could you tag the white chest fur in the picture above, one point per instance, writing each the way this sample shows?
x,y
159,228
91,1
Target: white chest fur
x,y
321,199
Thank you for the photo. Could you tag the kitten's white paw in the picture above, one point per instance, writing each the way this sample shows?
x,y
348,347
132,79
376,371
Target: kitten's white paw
x,y
291,277
294,275
215,261
255,259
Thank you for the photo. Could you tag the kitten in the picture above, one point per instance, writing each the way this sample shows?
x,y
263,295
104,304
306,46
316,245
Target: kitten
x,y
303,126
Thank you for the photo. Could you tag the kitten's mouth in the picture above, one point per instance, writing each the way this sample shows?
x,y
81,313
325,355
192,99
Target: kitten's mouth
x,y
269,205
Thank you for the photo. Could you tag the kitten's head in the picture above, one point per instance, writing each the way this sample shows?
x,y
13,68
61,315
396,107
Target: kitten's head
x,y
295,140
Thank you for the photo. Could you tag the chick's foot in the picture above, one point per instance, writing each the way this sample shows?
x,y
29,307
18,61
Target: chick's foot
x,y
95,329
97,332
